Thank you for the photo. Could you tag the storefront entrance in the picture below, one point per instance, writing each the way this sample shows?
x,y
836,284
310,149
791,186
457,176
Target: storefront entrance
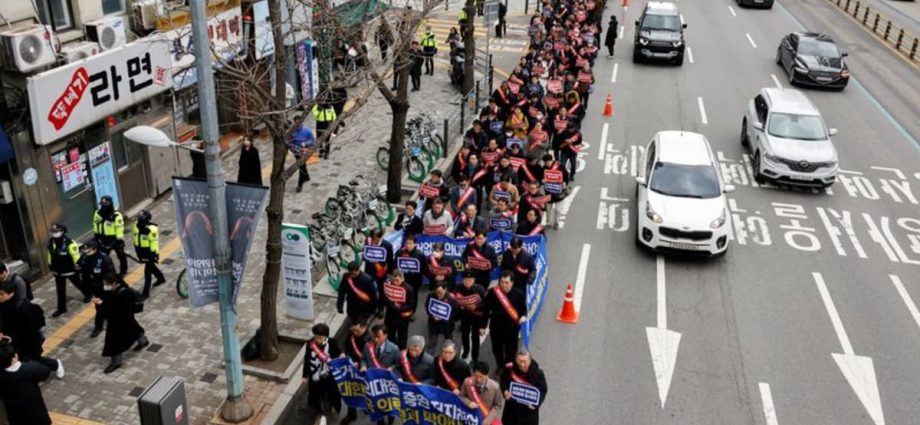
x,y
131,166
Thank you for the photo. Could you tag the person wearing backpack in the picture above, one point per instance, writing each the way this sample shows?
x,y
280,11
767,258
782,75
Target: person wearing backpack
x,y
21,322
119,303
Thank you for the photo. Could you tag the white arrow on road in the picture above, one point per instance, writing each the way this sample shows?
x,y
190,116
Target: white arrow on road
x,y
858,370
662,342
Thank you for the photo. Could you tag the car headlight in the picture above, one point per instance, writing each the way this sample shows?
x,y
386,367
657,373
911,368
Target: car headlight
x,y
844,74
651,214
677,43
771,158
643,41
717,223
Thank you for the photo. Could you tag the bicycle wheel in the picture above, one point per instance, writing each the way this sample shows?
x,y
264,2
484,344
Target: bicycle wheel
x,y
416,169
384,211
182,285
383,158
333,272
349,254
434,144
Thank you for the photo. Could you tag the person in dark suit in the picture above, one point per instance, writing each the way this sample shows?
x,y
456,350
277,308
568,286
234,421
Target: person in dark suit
x,y
523,370
507,308
358,336
415,363
412,262
520,263
321,386
118,305
21,322
380,353
19,390
400,301
358,289
449,369
378,268
408,221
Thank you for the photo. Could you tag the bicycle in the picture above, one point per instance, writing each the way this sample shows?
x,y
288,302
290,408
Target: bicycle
x,y
424,129
413,155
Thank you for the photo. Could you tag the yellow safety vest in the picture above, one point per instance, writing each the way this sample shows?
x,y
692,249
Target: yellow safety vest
x,y
462,14
115,228
149,242
73,249
323,115
428,40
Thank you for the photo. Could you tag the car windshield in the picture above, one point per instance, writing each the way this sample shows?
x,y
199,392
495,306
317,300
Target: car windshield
x,y
821,49
661,22
685,181
800,127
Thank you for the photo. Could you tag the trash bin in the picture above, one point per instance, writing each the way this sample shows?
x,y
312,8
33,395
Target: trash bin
x,y
163,403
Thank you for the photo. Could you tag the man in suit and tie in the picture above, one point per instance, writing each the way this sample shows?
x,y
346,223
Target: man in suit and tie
x,y
380,353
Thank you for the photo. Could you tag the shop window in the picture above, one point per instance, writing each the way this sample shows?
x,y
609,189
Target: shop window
x,y
56,13
125,152
110,7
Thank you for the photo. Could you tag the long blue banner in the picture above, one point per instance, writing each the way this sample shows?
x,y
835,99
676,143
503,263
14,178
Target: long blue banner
x,y
381,394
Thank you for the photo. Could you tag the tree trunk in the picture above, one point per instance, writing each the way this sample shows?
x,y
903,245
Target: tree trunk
x,y
469,46
400,108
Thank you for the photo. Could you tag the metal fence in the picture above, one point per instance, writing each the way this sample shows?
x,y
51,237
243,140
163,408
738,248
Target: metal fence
x,y
888,31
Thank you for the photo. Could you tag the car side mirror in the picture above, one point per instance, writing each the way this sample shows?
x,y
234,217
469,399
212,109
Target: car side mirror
x,y
757,126
641,181
729,188
685,26
844,54
832,132
637,22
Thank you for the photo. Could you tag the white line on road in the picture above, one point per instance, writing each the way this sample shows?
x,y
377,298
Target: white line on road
x,y
580,278
622,27
906,297
690,54
766,398
732,10
613,77
699,101
603,145
753,44
835,317
776,81
662,295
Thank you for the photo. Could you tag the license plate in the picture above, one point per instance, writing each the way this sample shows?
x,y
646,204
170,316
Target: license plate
x,y
800,177
824,79
684,246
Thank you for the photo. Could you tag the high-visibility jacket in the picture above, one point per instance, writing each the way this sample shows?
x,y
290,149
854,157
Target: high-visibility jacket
x,y
462,14
63,256
109,231
325,115
429,41
146,240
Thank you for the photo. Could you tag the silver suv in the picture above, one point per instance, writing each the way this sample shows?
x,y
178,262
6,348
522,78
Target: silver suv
x,y
788,140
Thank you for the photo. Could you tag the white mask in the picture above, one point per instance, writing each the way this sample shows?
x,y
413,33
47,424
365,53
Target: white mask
x,y
57,234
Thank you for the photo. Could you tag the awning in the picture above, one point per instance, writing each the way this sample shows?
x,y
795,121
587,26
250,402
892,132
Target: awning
x,y
6,148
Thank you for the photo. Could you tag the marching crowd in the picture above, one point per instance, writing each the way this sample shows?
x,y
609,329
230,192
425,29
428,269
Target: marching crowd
x,y
517,161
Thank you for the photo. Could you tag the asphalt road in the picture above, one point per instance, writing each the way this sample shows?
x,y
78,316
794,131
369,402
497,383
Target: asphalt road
x,y
792,326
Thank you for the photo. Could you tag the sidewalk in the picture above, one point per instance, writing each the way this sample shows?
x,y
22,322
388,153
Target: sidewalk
x,y
186,342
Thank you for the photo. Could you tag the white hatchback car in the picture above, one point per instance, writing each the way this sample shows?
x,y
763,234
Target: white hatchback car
x,y
681,196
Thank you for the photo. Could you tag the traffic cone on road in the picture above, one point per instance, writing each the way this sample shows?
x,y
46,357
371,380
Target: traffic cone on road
x,y
567,313
608,106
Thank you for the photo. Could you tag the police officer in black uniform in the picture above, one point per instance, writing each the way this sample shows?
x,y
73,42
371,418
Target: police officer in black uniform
x,y
63,255
94,264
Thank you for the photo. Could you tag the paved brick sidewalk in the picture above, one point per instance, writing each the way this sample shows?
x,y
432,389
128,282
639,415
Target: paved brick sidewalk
x,y
186,342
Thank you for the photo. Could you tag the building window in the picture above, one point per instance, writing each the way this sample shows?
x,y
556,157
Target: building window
x,y
56,13
113,6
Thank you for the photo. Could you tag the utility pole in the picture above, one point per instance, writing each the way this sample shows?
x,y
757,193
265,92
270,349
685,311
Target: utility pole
x,y
234,409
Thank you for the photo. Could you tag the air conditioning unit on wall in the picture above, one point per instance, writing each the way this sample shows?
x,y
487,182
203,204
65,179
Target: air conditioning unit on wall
x,y
144,16
79,51
30,48
109,32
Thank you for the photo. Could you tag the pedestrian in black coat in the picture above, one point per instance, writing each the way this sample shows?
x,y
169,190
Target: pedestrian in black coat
x,y
412,262
21,323
199,167
449,369
359,290
507,308
610,40
400,301
520,263
415,55
440,326
321,385
19,390
524,370
250,164
408,221
118,305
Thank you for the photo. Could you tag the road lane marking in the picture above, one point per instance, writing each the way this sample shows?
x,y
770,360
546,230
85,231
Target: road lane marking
x,y
859,371
690,54
662,294
603,146
613,77
906,297
622,27
776,81
732,10
662,343
582,272
766,398
751,40
699,102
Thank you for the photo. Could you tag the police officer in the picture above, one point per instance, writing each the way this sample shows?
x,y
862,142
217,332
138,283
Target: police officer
x,y
94,264
462,20
325,116
62,256
147,247
507,308
520,263
429,49
480,258
470,298
109,232
400,301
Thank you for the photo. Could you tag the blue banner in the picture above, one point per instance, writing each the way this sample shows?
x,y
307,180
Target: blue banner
x,y
381,394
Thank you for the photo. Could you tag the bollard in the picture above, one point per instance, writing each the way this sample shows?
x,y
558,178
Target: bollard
x,y
838,3
446,136
887,30
856,11
897,45
847,7
875,25
477,98
913,49
866,15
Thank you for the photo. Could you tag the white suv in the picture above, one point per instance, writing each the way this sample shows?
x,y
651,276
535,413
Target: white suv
x,y
681,196
788,140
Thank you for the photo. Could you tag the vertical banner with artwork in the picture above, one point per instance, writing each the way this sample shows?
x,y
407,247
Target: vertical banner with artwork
x,y
244,208
308,68
295,263
103,172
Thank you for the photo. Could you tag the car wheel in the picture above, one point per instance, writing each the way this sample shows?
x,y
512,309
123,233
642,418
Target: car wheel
x,y
637,58
755,165
744,137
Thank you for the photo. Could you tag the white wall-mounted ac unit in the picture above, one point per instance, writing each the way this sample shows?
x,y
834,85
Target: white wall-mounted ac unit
x,y
144,16
109,32
30,48
79,51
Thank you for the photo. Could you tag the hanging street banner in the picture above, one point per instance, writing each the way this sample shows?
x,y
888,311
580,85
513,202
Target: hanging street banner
x,y
244,208
381,394
295,266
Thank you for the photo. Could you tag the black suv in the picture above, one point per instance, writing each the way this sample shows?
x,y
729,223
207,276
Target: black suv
x,y
659,34
813,59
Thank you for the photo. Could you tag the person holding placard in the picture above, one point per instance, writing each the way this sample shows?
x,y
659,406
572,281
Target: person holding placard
x,y
480,258
524,388
507,308
412,262
470,298
400,301
439,267
469,223
378,261
442,313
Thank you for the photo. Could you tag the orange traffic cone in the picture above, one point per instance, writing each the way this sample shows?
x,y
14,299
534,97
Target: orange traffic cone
x,y
567,313
608,106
